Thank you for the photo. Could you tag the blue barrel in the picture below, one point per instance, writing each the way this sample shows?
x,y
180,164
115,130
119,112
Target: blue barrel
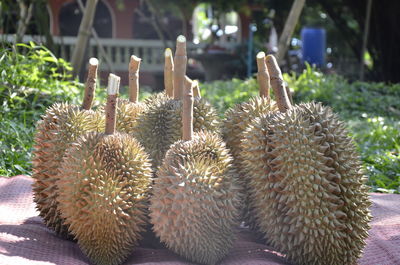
x,y
313,45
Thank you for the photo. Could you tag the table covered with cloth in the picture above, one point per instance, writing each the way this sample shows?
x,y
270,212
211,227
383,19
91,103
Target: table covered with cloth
x,y
24,239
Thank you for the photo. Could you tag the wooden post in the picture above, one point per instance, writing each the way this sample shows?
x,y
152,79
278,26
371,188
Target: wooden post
x,y
134,65
263,76
187,113
278,84
96,37
289,27
169,73
90,87
180,62
112,101
83,35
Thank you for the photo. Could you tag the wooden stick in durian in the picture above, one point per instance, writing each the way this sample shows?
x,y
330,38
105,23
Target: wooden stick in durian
x,y
277,84
187,113
90,86
169,73
195,86
289,93
196,89
180,62
112,101
134,65
263,76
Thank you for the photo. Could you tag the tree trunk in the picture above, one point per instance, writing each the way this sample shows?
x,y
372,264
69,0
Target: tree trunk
x,y
83,35
288,30
384,41
25,15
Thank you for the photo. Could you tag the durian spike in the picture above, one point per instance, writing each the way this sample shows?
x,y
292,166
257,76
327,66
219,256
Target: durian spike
x,y
196,89
187,113
134,65
90,86
180,61
263,76
112,101
169,73
278,84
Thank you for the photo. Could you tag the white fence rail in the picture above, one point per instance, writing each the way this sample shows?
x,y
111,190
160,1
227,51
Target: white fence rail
x,y
118,51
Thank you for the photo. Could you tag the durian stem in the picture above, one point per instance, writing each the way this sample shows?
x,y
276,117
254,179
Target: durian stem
x,y
180,61
278,84
195,86
187,113
134,65
169,73
263,76
188,81
289,94
112,101
196,89
90,87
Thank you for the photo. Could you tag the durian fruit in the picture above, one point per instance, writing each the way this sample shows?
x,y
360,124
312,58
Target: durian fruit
x,y
104,184
306,185
159,127
61,125
240,116
130,110
196,200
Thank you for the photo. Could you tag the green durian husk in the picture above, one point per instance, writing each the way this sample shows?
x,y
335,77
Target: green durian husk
x,y
161,124
306,185
237,119
104,187
196,200
60,126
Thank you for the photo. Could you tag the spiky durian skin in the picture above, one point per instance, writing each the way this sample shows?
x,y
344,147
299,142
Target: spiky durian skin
x,y
196,200
307,189
161,125
235,123
237,120
155,98
127,115
104,188
61,125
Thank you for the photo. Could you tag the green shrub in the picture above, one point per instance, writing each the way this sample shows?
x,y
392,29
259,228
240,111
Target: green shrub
x,y
225,94
15,147
31,79
378,139
348,99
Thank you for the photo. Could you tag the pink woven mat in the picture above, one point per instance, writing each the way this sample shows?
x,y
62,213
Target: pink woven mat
x,y
25,240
